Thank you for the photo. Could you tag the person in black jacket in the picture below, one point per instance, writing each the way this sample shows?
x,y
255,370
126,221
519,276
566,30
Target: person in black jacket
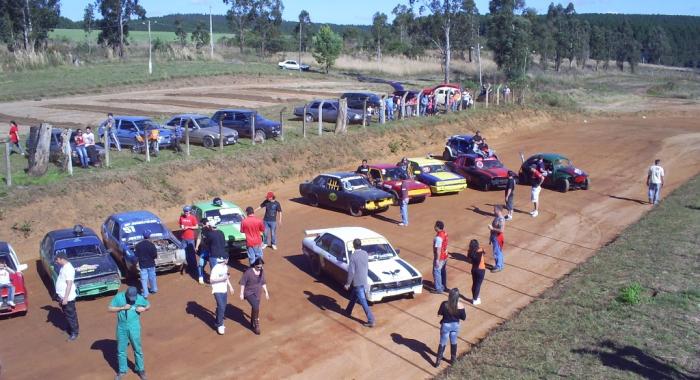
x,y
452,311
146,253
214,241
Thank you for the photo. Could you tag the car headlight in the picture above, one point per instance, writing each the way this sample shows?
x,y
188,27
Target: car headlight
x,y
356,117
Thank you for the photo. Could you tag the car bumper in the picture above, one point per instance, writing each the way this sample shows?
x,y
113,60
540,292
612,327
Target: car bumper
x,y
21,306
376,205
451,188
236,246
97,288
419,193
378,295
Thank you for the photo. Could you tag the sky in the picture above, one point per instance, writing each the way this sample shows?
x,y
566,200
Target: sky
x,y
361,11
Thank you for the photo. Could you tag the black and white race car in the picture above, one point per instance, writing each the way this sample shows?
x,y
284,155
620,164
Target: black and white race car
x,y
329,250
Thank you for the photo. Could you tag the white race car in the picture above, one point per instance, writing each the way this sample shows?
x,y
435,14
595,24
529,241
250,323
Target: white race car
x,y
328,251
292,65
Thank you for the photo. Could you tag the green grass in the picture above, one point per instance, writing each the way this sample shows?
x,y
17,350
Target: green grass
x,y
135,36
631,311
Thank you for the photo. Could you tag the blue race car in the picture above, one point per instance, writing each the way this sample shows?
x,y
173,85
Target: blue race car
x,y
456,146
126,128
121,232
346,191
96,272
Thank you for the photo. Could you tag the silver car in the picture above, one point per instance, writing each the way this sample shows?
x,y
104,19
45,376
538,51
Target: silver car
x,y
202,130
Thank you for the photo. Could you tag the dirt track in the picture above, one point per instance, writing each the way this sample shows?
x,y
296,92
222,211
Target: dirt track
x,y
304,333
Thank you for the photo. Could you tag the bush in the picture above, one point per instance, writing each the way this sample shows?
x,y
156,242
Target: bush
x,y
553,99
631,294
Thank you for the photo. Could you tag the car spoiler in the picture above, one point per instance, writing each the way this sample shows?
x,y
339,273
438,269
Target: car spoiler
x,y
314,232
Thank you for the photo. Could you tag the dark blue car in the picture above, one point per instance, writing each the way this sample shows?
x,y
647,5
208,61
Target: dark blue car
x,y
121,232
240,120
127,127
457,145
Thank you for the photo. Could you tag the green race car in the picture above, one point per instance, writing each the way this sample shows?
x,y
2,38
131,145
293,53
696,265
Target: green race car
x,y
227,217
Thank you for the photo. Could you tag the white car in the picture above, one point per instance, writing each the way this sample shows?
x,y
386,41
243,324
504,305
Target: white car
x,y
292,65
328,251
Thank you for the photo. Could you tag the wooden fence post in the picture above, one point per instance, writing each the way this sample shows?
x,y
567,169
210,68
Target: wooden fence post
x,y
106,132
39,158
252,128
187,139
282,123
320,118
303,121
364,111
8,167
221,136
341,120
382,110
148,145
403,105
66,150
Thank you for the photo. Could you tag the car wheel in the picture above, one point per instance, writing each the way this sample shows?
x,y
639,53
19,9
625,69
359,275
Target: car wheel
x,y
419,200
446,155
313,200
486,186
208,141
355,210
586,184
309,118
259,136
315,266
564,185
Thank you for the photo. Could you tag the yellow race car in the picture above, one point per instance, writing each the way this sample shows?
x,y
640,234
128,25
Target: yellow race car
x,y
435,174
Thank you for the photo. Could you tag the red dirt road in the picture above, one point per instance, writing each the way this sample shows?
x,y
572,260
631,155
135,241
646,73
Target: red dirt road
x,y
304,334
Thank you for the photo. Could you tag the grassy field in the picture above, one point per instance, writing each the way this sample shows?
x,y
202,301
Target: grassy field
x,y
630,312
135,36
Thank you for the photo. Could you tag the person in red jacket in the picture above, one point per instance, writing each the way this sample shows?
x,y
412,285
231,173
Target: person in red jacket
x,y
440,258
253,228
189,226
14,138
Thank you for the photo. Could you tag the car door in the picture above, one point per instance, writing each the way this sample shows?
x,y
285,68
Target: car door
x,y
173,123
337,260
330,113
333,193
241,123
126,132
375,176
550,179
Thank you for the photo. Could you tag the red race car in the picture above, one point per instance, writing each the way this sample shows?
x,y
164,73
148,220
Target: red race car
x,y
9,257
483,173
388,177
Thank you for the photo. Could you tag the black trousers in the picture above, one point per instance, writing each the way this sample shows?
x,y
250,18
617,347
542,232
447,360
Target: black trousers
x,y
477,279
92,153
71,316
176,144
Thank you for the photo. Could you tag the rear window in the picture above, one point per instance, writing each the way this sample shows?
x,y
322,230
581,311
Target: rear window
x,y
85,246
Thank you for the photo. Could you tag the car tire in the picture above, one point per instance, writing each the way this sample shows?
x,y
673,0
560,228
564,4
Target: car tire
x,y
315,266
313,200
208,142
309,118
259,136
563,185
419,200
586,184
355,210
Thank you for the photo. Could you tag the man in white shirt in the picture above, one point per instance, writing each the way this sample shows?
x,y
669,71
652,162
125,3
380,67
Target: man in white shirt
x,y
65,293
6,282
89,139
655,181
220,284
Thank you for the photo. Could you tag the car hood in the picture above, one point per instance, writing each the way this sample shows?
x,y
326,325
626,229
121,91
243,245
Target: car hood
x,y
215,130
412,185
94,266
494,172
439,176
231,231
370,193
390,270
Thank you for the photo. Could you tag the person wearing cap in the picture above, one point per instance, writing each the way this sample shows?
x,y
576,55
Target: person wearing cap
x,y
66,294
252,282
220,284
253,228
510,194
272,219
188,226
146,253
129,306
357,279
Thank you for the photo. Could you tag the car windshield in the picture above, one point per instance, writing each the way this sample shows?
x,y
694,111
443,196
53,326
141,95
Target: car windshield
x,y
224,216
490,164
86,246
394,174
563,162
377,249
354,183
135,230
146,125
434,168
204,122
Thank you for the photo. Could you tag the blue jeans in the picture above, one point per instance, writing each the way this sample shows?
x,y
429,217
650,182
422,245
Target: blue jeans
x,y
82,154
271,232
404,211
203,259
654,192
190,255
450,330
10,291
254,253
440,275
497,253
221,301
358,295
148,276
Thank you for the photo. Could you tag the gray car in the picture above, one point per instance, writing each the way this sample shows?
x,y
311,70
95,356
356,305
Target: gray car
x,y
330,112
202,130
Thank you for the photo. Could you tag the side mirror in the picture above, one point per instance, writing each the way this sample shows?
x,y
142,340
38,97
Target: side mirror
x,y
22,267
398,251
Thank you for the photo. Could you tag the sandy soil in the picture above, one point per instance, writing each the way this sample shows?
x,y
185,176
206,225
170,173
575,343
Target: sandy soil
x,y
305,335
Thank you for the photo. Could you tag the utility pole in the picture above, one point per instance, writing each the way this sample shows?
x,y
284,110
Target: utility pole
x,y
150,57
301,25
211,36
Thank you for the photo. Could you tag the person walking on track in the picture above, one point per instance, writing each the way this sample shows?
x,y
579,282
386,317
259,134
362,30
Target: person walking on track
x,y
129,306
452,311
66,294
220,286
510,194
15,145
357,278
496,238
403,203
537,174
272,219
146,253
253,228
439,258
476,257
252,282
189,226
214,243
655,181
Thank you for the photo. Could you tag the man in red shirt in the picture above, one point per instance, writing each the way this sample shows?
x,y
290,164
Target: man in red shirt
x,y
440,258
253,228
14,138
188,225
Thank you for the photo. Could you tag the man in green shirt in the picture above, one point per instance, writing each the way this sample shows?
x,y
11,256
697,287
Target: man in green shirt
x,y
129,305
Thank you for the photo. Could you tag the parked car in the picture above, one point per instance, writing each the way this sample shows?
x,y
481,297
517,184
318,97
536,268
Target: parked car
x,y
483,173
202,130
56,142
389,177
328,252
442,90
291,64
411,94
122,231
96,272
8,255
356,100
127,127
561,173
345,191
239,120
227,217
457,145
435,174
330,112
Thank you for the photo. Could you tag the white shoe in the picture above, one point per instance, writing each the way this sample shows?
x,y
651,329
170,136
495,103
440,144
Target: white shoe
x,y
11,303
201,280
508,217
476,302
221,330
534,214
264,246
401,224
274,247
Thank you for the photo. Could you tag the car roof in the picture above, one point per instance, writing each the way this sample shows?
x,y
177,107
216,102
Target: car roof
x,y
128,216
235,110
359,93
67,233
462,137
348,234
341,175
131,118
324,100
383,166
4,248
426,161
190,115
208,205
548,156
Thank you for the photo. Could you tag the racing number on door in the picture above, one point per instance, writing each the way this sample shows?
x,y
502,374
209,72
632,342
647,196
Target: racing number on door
x,y
333,186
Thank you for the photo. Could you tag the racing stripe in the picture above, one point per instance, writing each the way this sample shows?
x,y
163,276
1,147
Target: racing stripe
x,y
407,267
372,276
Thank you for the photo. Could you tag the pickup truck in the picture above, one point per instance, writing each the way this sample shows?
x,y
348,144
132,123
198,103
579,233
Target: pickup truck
x,y
292,65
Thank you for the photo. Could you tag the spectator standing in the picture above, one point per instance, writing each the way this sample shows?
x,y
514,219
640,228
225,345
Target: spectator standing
x,y
655,181
129,306
403,164
510,194
6,282
189,225
476,257
423,105
214,243
496,238
452,311
89,139
363,169
14,139
66,294
431,105
440,258
272,219
177,137
79,141
403,203
220,286
390,107
253,228
111,132
477,139
537,174
146,253
357,279
252,282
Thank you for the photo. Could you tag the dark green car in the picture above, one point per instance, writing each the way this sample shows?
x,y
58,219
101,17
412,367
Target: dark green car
x,y
561,175
227,217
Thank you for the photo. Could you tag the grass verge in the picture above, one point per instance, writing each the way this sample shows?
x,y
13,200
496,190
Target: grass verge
x,y
631,311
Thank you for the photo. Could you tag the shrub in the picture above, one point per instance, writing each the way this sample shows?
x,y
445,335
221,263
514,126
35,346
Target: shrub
x,y
631,294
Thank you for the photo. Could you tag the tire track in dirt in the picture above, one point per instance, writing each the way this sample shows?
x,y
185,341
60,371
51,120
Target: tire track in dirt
x,y
297,92
103,109
239,96
173,103
32,121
